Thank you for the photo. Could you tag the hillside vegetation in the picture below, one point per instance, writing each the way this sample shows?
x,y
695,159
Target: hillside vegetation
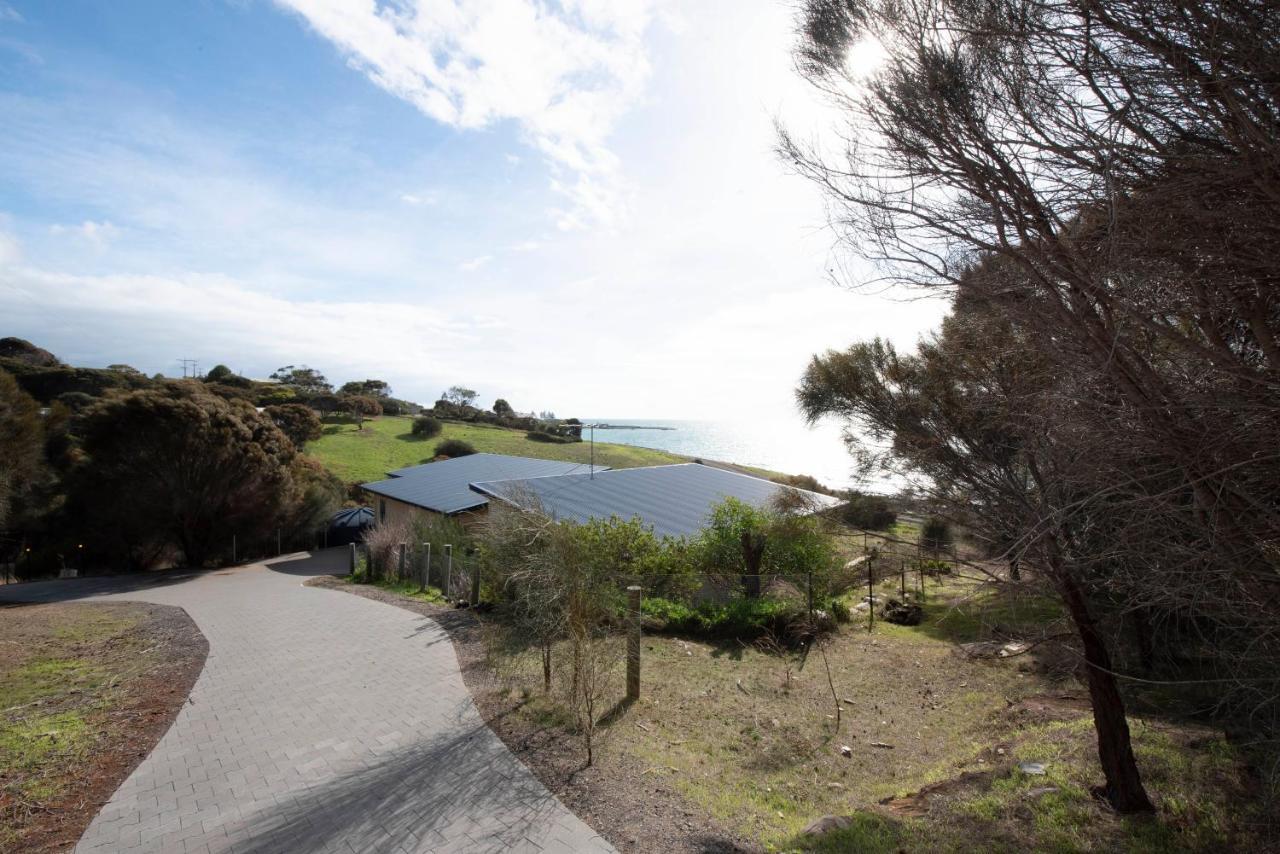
x,y
388,443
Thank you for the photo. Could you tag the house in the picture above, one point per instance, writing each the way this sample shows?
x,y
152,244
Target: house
x,y
445,487
675,500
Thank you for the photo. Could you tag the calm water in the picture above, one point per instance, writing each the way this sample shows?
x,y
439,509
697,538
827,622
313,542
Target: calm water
x,y
785,446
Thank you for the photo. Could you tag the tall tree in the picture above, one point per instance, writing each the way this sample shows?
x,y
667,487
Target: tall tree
x,y
21,444
1095,175
307,382
368,388
180,467
460,395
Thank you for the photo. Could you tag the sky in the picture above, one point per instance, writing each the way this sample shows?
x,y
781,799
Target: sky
x,y
573,205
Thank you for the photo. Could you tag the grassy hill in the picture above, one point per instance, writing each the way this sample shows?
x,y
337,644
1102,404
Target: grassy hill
x,y
386,443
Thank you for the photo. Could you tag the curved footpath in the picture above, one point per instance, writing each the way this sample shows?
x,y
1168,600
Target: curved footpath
x,y
321,722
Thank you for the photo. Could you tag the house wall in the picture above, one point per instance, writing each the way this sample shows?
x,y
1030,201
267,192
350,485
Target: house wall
x,y
399,511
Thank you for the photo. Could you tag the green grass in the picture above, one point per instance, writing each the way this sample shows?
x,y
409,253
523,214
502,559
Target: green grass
x,y
387,443
44,678
402,587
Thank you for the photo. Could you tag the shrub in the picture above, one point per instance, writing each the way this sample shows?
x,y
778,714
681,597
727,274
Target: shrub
x,y
741,618
869,512
803,481
296,421
840,610
539,436
785,543
936,534
383,542
454,448
629,551
426,427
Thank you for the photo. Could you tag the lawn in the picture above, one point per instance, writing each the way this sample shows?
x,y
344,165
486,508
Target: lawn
x,y
386,443
87,691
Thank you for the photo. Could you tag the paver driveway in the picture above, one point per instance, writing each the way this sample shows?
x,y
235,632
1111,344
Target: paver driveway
x,y
321,722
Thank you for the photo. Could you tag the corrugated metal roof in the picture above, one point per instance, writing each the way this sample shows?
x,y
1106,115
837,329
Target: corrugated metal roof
x,y
676,500
445,486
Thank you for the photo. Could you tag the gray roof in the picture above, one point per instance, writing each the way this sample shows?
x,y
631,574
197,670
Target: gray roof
x,y
676,499
445,486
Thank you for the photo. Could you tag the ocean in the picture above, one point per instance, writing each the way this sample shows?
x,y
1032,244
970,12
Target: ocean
x,y
787,446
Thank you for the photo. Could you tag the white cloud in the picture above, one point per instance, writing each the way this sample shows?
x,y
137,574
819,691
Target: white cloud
x,y
8,13
417,199
99,234
565,73
145,320
10,249
526,246
475,263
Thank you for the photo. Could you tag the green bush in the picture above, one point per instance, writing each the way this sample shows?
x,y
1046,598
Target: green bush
x,y
935,535
741,618
454,448
868,512
934,567
426,427
629,551
794,545
840,611
539,436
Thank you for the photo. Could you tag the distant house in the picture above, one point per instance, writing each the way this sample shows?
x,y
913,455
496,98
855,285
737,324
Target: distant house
x,y
675,500
444,487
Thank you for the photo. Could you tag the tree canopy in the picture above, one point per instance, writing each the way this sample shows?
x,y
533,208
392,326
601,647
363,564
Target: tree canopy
x,y
1092,182
197,470
22,441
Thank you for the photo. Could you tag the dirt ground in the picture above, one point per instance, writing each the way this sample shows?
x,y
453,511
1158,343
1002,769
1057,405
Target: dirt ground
x,y
87,690
629,806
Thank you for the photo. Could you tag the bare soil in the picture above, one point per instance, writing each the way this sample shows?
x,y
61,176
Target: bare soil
x,y
620,796
89,689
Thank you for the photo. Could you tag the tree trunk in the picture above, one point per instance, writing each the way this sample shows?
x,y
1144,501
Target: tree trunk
x,y
1123,789
546,667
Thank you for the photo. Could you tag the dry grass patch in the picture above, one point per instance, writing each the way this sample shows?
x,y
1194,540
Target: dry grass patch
x,y
87,692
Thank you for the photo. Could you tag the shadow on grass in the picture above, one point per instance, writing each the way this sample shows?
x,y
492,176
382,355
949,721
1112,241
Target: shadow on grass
x,y
966,616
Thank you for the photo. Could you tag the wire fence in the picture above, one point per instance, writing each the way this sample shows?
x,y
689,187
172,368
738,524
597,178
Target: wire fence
x,y
453,572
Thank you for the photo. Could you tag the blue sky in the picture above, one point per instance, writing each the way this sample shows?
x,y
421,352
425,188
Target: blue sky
x,y
572,205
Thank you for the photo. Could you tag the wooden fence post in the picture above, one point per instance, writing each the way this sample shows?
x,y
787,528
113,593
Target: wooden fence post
x,y
352,547
400,562
633,643
871,595
426,568
475,582
448,570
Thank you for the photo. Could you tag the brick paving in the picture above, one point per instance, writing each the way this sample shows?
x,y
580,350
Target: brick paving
x,y
321,722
